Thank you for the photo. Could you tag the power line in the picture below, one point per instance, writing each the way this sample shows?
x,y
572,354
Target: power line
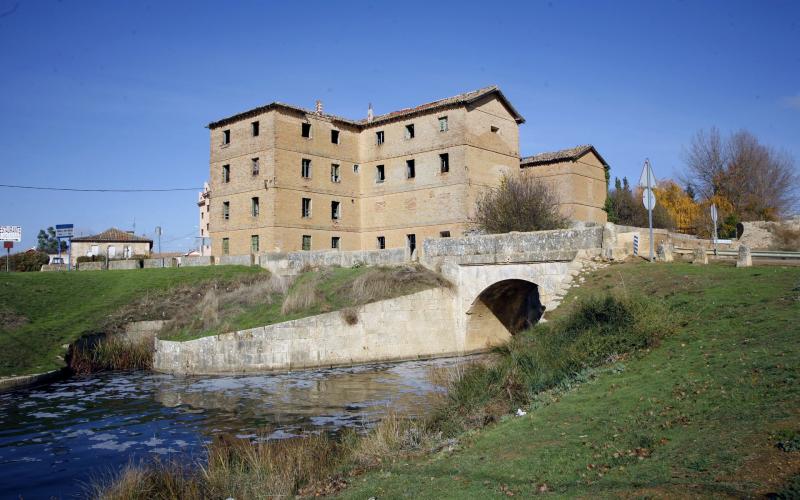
x,y
42,188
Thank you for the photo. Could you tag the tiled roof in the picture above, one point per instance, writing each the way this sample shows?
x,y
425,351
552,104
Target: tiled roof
x,y
571,154
460,99
113,235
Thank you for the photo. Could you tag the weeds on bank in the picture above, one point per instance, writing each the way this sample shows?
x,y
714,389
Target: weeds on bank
x,y
108,353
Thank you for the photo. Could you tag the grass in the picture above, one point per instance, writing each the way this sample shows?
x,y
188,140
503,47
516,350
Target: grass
x,y
110,352
41,312
312,292
695,416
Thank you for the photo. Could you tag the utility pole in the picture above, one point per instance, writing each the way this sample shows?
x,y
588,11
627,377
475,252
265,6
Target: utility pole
x,y
158,233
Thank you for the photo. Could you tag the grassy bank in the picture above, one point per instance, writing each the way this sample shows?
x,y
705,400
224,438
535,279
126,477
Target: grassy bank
x,y
41,312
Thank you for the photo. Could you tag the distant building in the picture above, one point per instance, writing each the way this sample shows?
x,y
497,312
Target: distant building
x,y
204,208
285,178
112,243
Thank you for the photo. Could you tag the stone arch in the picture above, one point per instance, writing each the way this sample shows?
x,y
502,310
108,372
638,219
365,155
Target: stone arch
x,y
501,310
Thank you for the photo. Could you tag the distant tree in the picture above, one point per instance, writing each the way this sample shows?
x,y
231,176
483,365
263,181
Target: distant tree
x,y
679,205
759,182
28,261
47,241
520,203
627,209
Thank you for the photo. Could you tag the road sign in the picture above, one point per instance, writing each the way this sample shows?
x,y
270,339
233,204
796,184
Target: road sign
x,y
10,233
64,230
643,180
8,245
714,214
648,199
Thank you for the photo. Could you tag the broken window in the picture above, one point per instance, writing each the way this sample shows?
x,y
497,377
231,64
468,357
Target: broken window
x,y
410,131
381,242
306,242
254,243
335,242
442,124
305,130
254,206
226,210
255,128
254,166
444,163
305,168
411,241
226,137
380,174
226,246
410,169
336,210
335,173
335,136
226,174
379,137
444,234
306,207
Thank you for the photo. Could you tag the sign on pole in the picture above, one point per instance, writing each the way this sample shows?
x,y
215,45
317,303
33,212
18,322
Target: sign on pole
x,y
64,231
648,199
647,181
11,233
714,219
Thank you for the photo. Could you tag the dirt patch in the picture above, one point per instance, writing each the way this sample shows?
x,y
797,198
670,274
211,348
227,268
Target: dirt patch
x,y
10,320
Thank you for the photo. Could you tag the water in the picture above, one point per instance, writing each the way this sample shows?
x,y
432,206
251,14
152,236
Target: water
x,y
54,439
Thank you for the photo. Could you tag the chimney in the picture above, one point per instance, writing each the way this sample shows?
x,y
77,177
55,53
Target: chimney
x,y
318,108
370,115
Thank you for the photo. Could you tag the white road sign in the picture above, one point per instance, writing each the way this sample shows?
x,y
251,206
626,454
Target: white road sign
x,y
643,178
648,199
10,233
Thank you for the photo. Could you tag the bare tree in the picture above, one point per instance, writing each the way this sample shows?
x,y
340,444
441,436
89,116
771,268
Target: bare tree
x,y
520,203
760,182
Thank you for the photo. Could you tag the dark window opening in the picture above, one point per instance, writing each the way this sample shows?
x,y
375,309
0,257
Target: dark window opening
x,y
380,174
355,169
335,136
379,137
254,206
305,168
254,243
410,131
335,173
306,242
495,129
410,169
226,173
335,242
444,234
226,210
226,137
336,210
411,240
442,124
254,165
255,128
444,163
305,130
226,246
305,207
381,242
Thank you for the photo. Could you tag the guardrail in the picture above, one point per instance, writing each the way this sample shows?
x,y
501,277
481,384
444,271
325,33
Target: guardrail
x,y
764,254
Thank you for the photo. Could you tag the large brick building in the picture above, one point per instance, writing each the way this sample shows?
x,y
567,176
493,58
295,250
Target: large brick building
x,y
284,178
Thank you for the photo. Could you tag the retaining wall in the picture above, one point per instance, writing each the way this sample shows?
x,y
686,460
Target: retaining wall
x,y
413,326
116,265
236,260
91,266
205,260
293,262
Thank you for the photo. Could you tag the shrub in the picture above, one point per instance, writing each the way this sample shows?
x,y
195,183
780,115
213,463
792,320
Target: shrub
x,y
520,203
110,352
28,261
303,296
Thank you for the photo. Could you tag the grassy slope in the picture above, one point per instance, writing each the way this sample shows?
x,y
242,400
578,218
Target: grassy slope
x,y
63,306
705,404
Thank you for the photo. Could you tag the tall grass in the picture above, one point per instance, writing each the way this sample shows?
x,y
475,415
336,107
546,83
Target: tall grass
x,y
381,283
110,352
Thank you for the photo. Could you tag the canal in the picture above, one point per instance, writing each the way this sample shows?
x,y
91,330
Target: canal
x,y
54,439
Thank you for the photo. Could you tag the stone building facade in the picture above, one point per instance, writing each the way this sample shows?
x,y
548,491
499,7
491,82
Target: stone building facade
x,y
284,178
112,243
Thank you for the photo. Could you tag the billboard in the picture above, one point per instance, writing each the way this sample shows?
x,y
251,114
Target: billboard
x,y
64,230
10,233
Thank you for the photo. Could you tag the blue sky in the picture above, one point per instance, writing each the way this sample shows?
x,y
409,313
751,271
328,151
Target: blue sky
x,y
117,94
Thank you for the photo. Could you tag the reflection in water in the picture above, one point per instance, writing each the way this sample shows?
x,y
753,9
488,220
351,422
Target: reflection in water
x,y
52,438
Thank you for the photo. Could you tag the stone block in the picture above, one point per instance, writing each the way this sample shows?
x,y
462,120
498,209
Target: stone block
x,y
118,265
699,256
198,260
664,252
745,257
91,266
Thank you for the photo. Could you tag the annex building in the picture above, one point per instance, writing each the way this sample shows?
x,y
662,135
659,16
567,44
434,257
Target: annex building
x,y
285,178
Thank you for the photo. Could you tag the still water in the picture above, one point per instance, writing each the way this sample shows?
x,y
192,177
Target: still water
x,y
55,438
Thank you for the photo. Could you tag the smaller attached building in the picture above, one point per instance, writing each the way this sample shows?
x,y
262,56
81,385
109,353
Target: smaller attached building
x,y
113,243
579,176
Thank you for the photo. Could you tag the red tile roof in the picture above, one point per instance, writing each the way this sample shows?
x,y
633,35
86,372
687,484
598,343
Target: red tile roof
x,y
113,235
571,154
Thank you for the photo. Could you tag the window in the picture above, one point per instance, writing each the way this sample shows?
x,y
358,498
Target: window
x,y
254,206
444,234
254,166
335,173
381,242
226,246
306,207
335,242
226,210
442,124
226,174
355,169
112,252
495,129
254,243
334,136
380,174
336,210
255,128
226,137
305,130
306,242
444,163
410,169
305,168
411,241
95,250
410,131
379,137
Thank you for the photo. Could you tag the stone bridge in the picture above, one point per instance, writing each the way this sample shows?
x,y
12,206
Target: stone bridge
x,y
505,283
